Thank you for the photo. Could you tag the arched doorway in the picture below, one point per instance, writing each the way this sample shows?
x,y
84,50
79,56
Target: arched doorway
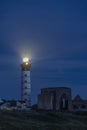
x,y
64,102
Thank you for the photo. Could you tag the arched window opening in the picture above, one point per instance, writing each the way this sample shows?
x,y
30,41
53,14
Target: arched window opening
x,y
64,102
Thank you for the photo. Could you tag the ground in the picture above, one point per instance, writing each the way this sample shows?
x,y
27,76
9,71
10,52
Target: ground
x,y
20,120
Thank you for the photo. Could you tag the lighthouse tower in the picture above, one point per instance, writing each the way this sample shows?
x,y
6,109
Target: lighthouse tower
x,y
25,83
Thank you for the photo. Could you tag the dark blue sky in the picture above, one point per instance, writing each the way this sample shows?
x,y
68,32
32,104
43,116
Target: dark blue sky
x,y
54,34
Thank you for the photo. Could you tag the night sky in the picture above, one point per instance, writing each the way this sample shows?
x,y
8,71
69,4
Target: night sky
x,y
54,35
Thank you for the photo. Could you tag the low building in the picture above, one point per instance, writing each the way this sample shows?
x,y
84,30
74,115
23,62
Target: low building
x,y
21,105
12,105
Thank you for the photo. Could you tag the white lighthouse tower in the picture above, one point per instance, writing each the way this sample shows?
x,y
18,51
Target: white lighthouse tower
x,y
25,83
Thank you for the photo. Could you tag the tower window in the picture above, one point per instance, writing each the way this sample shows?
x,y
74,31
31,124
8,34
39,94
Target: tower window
x,y
25,75
25,93
25,81
25,87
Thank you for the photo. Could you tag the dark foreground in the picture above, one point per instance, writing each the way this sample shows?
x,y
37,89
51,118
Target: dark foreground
x,y
14,120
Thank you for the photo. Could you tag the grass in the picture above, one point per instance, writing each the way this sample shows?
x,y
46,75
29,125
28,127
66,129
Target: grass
x,y
21,120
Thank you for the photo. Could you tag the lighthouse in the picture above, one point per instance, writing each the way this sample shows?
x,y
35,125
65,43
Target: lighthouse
x,y
25,82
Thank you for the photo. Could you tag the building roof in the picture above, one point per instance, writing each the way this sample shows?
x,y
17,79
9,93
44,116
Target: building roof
x,y
55,88
78,98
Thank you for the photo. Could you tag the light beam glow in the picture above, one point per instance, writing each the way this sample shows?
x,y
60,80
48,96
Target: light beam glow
x,y
25,59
